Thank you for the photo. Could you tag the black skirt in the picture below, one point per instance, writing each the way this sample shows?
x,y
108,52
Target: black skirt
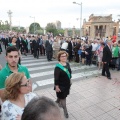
x,y
64,92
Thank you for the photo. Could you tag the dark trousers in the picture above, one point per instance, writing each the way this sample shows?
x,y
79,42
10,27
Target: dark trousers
x,y
49,55
88,59
36,53
41,49
6,45
106,69
70,57
21,48
118,63
31,49
77,58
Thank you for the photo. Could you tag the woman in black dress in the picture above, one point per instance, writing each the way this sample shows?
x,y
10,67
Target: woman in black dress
x,y
62,83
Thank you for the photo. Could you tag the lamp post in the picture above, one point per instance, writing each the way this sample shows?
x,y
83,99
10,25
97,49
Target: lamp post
x,y
119,22
80,14
34,23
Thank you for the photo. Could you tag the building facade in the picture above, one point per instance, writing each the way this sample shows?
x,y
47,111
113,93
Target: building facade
x,y
100,26
57,24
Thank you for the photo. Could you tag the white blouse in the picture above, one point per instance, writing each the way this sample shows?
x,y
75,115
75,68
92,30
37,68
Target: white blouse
x,y
10,110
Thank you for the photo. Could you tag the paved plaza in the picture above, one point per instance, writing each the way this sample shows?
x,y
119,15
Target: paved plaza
x,y
94,98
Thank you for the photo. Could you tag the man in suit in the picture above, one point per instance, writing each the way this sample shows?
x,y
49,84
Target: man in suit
x,y
70,50
107,58
35,45
6,41
40,44
49,49
24,45
19,43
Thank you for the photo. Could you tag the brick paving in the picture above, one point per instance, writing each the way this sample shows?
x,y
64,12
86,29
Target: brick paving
x,y
96,98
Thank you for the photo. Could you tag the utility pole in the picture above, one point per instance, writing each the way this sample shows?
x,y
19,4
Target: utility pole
x,y
119,22
10,18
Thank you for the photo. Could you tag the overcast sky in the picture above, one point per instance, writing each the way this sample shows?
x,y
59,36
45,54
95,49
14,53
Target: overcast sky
x,y
46,11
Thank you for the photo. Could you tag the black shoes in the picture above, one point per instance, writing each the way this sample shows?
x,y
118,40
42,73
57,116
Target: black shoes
x,y
66,115
109,78
103,74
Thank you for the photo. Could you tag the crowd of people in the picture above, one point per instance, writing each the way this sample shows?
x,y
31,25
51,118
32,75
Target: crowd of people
x,y
18,101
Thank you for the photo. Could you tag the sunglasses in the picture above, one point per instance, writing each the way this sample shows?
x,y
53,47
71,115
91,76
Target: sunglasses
x,y
26,84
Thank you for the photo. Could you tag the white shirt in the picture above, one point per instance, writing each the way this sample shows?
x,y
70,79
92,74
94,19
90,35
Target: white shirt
x,y
94,46
10,110
64,45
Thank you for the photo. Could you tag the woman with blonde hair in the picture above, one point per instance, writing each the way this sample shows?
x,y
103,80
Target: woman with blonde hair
x,y
16,96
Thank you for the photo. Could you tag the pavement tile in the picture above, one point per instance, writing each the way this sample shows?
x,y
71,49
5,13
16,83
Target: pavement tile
x,y
95,99
105,106
82,115
73,107
115,113
84,103
105,117
114,102
76,96
86,87
95,111
86,94
77,89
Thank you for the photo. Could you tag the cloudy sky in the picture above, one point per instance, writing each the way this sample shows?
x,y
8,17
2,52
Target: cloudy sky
x,y
46,11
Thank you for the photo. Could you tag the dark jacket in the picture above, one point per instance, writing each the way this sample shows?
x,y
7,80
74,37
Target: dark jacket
x,y
48,46
24,43
19,42
69,46
6,41
107,54
35,44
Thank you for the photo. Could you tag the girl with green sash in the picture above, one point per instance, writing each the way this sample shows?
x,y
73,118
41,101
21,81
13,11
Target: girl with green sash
x,y
62,82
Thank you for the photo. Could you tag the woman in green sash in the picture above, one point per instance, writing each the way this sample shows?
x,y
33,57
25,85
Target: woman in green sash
x,y
62,76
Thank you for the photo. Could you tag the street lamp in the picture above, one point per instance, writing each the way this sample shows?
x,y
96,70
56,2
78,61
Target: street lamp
x,y
80,14
34,23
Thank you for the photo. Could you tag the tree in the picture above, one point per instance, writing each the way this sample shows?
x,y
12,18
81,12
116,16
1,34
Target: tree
x,y
61,31
35,26
19,29
4,27
70,32
51,28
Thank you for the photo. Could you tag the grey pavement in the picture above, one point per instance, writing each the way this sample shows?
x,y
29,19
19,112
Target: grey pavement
x,y
95,98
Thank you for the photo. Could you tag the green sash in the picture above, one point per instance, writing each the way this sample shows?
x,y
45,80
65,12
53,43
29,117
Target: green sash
x,y
64,69
10,44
